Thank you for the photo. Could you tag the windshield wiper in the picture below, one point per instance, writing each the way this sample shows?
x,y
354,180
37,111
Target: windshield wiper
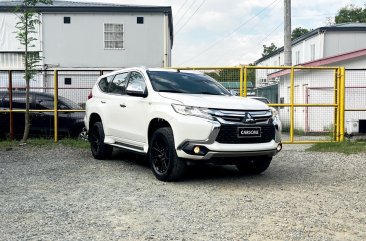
x,y
208,93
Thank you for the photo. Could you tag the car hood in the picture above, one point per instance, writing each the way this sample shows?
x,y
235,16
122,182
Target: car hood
x,y
216,101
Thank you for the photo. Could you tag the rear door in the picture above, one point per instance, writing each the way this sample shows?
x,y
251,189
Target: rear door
x,y
114,112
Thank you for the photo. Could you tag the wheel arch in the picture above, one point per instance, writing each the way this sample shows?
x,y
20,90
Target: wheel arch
x,y
94,117
155,124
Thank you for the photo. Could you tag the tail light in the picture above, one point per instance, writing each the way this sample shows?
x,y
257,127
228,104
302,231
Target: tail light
x,y
90,95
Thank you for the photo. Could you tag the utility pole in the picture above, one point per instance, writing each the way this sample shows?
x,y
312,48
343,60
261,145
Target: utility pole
x,y
287,34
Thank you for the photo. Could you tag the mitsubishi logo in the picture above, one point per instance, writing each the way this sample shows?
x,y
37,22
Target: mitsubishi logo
x,y
248,118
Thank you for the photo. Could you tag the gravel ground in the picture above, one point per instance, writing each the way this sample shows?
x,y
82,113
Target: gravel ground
x,y
61,193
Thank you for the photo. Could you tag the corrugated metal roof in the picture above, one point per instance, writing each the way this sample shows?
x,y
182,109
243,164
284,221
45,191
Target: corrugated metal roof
x,y
70,4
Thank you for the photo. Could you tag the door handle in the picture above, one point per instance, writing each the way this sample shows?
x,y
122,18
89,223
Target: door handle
x,y
123,105
40,114
103,102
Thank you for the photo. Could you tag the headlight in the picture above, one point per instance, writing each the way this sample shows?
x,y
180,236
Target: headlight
x,y
274,112
192,110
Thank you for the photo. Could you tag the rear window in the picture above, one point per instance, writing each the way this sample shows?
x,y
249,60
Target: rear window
x,y
104,83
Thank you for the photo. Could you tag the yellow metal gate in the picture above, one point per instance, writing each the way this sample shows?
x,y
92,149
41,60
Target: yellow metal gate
x,y
309,100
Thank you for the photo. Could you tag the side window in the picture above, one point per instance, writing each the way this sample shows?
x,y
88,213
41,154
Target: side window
x,y
104,83
136,82
118,84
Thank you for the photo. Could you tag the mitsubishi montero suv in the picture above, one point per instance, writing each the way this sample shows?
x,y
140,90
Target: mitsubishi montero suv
x,y
178,117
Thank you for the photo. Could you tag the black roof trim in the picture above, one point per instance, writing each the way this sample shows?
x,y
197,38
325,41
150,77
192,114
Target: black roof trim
x,y
334,28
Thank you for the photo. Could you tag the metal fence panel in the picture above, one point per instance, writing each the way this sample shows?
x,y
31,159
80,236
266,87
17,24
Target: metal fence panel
x,y
309,100
355,95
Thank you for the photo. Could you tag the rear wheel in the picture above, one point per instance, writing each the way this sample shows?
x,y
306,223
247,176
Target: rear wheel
x,y
254,165
163,158
99,149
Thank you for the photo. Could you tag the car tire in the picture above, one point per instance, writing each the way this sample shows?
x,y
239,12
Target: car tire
x,y
99,149
254,165
163,159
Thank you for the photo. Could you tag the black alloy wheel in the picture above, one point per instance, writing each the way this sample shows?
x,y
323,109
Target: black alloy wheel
x,y
99,149
163,158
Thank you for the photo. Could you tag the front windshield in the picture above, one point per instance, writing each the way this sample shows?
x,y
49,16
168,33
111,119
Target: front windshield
x,y
183,82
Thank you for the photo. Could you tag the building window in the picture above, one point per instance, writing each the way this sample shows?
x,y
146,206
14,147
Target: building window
x,y
297,57
312,52
140,20
113,36
67,81
67,20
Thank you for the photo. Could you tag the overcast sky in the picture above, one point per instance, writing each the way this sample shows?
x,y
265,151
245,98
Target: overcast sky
x,y
232,32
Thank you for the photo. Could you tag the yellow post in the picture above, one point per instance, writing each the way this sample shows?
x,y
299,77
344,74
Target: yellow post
x,y
241,80
55,105
336,102
245,81
292,107
342,102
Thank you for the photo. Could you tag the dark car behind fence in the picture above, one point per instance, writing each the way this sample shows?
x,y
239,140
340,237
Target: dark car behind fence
x,y
72,88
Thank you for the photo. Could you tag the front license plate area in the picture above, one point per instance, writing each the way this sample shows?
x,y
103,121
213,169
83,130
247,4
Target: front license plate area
x,y
244,132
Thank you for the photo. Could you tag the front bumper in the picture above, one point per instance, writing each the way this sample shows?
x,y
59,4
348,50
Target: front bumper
x,y
211,149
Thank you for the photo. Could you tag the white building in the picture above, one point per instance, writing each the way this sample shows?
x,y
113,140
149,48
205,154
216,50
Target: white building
x,y
92,35
338,45
86,36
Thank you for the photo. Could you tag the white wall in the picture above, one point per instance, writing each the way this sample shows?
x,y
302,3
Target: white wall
x,y
8,40
81,43
317,87
336,43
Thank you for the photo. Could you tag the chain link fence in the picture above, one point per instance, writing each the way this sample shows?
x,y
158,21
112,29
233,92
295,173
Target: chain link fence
x,y
308,100
355,101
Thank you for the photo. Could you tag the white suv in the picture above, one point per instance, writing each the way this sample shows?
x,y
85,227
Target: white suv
x,y
176,117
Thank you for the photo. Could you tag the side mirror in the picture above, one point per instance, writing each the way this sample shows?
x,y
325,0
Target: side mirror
x,y
136,90
233,92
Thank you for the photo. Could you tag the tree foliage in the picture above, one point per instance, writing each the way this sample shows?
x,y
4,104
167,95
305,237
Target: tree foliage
x,y
26,30
351,14
298,32
267,50
231,77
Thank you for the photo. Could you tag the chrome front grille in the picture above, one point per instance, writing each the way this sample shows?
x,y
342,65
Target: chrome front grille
x,y
241,116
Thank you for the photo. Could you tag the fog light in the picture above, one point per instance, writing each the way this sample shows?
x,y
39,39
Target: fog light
x,y
279,147
196,149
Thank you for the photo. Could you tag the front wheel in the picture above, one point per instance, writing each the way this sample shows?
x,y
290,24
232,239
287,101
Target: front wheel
x,y
254,165
99,149
163,158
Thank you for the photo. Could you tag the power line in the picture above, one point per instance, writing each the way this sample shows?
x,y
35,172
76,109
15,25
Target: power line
x,y
260,42
190,17
185,13
180,8
232,32
265,38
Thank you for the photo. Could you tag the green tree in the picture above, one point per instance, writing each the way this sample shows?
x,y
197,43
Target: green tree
x,y
298,32
267,50
230,78
26,30
351,13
